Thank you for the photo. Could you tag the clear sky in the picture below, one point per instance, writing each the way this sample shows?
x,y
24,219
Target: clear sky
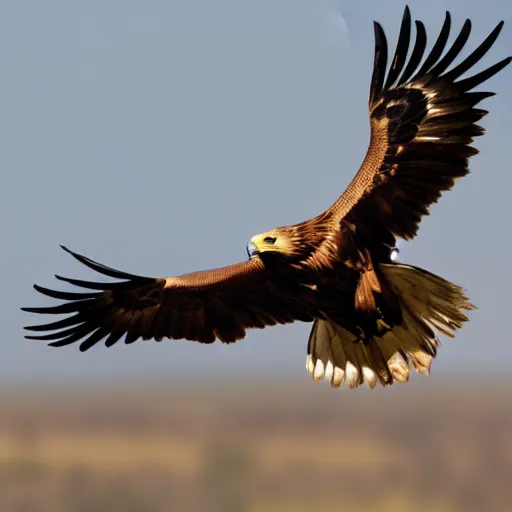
x,y
158,136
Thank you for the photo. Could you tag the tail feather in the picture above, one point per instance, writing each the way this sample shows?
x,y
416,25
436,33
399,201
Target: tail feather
x,y
429,305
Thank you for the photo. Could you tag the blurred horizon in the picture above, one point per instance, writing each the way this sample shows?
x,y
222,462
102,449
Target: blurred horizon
x,y
207,376
257,446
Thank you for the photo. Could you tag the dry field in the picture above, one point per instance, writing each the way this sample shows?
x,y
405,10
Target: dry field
x,y
275,446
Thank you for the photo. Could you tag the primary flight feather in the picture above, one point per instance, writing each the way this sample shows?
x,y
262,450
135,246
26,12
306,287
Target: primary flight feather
x,y
372,317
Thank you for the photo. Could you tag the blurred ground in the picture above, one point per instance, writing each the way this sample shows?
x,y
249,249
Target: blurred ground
x,y
257,446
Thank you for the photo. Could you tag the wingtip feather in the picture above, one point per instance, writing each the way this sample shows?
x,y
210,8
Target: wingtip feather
x,y
380,61
401,50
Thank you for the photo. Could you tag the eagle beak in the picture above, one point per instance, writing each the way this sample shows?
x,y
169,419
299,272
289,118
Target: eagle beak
x,y
252,249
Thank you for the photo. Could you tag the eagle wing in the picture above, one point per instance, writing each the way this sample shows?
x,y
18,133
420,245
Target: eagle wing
x,y
423,121
201,306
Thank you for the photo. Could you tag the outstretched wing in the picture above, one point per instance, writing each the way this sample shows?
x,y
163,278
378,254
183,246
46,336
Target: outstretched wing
x,y
201,306
423,121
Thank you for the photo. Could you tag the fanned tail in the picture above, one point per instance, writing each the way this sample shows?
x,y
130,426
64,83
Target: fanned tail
x,y
429,305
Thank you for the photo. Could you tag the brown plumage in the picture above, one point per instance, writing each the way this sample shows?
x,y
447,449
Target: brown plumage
x,y
371,317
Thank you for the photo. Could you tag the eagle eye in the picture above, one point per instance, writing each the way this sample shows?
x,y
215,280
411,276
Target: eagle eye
x,y
271,240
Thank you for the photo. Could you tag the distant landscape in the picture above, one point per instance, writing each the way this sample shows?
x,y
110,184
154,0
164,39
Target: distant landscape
x,y
257,446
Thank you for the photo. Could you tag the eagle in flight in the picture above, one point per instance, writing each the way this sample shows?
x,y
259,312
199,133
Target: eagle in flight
x,y
372,318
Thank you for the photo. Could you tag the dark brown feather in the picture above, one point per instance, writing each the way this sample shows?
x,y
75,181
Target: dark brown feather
x,y
201,306
422,130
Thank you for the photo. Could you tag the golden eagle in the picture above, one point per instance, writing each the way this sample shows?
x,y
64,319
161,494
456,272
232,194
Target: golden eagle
x,y
372,317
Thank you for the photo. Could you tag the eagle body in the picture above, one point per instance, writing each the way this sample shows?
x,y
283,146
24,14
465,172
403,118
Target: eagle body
x,y
372,318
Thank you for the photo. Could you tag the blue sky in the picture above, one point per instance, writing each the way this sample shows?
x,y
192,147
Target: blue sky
x,y
158,136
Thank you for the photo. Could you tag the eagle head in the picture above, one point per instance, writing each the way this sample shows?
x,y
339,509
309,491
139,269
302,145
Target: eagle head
x,y
278,242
